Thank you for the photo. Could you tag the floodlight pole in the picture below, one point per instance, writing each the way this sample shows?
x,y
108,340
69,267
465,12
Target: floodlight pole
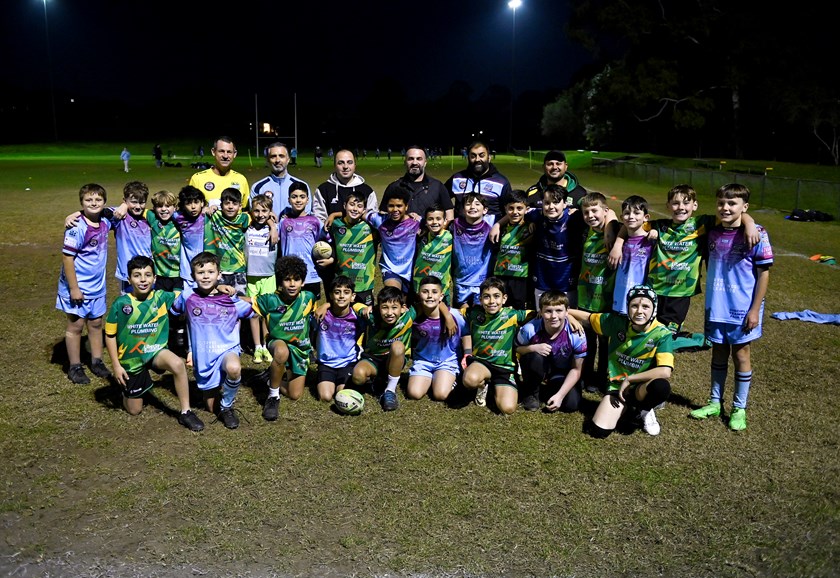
x,y
49,70
513,5
256,126
296,126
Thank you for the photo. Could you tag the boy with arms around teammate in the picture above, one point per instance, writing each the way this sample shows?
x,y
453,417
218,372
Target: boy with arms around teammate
x,y
287,316
299,231
192,223
81,283
354,253
433,256
136,335
227,227
736,284
595,285
511,263
398,236
434,351
488,351
636,251
213,324
471,251
551,351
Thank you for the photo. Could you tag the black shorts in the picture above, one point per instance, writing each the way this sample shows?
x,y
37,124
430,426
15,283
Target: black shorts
x,y
519,293
672,311
336,375
138,384
498,375
170,284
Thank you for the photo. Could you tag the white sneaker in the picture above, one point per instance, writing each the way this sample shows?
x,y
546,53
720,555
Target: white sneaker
x,y
649,423
481,396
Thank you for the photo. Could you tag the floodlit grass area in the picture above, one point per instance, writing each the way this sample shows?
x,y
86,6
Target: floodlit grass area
x,y
431,489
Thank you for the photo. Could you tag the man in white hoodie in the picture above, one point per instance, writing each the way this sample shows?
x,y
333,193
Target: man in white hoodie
x,y
330,196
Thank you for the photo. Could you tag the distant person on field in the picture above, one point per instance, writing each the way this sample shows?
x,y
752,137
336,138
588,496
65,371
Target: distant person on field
x,y
125,156
157,153
82,285
276,185
221,176
736,284
136,335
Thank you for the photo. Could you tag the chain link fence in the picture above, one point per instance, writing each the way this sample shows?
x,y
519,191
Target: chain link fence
x,y
781,193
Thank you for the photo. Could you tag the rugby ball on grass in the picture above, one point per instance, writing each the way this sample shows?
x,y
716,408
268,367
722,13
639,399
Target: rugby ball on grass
x,y
321,250
349,402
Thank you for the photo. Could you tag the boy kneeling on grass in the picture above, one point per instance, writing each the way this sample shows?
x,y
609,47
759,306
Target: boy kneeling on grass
x,y
136,335
640,361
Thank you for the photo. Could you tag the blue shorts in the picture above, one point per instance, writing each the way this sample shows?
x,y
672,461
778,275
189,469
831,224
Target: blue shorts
x,y
87,309
405,285
425,368
730,333
464,294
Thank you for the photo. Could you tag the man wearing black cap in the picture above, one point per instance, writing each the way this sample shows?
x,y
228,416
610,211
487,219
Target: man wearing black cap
x,y
556,173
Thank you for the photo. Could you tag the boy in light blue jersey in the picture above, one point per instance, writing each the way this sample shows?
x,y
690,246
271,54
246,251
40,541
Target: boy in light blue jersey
x,y
471,251
261,258
736,284
636,251
192,223
434,352
398,236
213,324
299,231
81,283
338,331
131,231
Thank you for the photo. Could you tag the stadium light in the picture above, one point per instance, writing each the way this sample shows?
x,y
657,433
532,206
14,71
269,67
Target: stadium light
x,y
513,5
49,71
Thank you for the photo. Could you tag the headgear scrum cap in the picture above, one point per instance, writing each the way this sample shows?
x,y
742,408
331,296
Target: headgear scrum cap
x,y
642,291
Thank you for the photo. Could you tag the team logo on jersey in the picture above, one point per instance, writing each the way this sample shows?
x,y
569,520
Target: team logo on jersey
x,y
712,245
342,231
209,186
289,228
197,312
650,344
133,224
282,310
462,185
324,326
488,188
480,317
269,194
127,309
224,312
424,333
94,242
621,336
389,233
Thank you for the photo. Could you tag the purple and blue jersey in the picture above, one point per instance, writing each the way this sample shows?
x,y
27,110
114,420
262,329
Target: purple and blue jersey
x,y
557,250
298,236
635,260
192,241
134,237
213,325
399,241
471,252
337,338
88,245
430,343
566,346
731,273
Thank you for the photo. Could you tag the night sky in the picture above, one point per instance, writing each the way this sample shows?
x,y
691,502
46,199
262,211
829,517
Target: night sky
x,y
135,51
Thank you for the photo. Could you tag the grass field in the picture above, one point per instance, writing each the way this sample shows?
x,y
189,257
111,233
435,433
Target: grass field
x,y
429,490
